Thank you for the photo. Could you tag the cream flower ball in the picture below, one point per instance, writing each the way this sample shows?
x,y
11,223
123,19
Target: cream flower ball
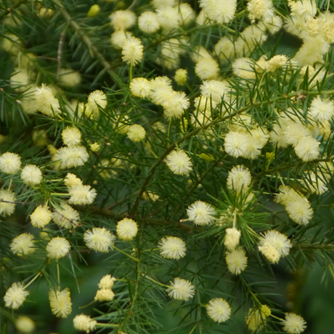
x,y
218,310
201,213
136,133
172,248
179,162
57,248
10,163
181,289
126,229
31,175
99,239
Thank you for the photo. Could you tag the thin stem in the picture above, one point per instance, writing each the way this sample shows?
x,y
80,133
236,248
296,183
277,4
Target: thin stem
x,y
153,280
35,277
125,253
58,275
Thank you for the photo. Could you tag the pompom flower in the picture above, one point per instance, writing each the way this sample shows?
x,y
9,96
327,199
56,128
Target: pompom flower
x,y
132,51
25,324
7,207
41,216
23,244
232,238
71,136
57,248
83,322
126,229
179,162
140,87
235,143
294,323
148,22
218,310
122,19
307,149
181,76
99,239
10,163
15,296
95,100
65,216
103,295
31,175
277,240
45,101
72,156
172,248
81,194
201,213
136,132
239,178
72,180
236,261
181,289
321,109
106,282
60,302
219,11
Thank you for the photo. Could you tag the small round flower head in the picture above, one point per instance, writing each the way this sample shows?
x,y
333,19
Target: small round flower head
x,y
31,175
235,143
175,104
168,17
276,62
270,252
57,248
239,178
308,149
119,37
126,229
132,51
148,22
259,9
244,68
278,240
71,136
300,210
72,156
24,324
207,68
69,78
201,213
83,322
224,49
256,318
236,261
10,163
45,101
122,19
232,238
163,3
15,296
103,295
294,323
41,216
321,109
218,310
60,302
172,248
106,282
99,239
140,87
213,89
72,180
179,162
95,100
23,244
181,289
6,209
181,76
136,133
186,14
65,216
219,11
93,11
81,194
